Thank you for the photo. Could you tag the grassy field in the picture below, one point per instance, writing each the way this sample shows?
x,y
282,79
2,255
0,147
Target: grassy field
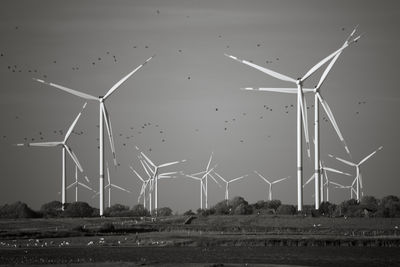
x,y
266,238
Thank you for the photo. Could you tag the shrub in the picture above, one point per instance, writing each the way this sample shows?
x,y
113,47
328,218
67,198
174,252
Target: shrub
x,y
349,208
222,208
389,207
118,210
17,210
140,211
52,209
106,227
327,208
78,209
369,203
189,213
166,211
286,209
243,209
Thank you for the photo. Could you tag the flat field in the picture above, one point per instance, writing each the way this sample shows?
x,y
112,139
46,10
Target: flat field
x,y
206,241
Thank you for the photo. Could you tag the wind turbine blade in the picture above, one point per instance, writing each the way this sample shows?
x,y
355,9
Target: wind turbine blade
x,y
112,89
280,180
338,185
87,179
193,177
167,173
137,174
361,182
108,174
265,70
370,155
74,157
262,177
215,180
220,177
309,180
147,168
85,186
69,90
120,188
109,130
336,171
46,144
278,90
238,178
322,62
327,70
71,185
209,162
71,128
198,173
169,164
148,160
333,122
344,161
303,108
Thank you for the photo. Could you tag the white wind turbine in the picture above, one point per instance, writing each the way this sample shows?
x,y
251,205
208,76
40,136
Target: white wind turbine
x,y
228,182
324,174
65,147
270,183
110,185
155,176
301,113
204,181
144,185
76,184
358,178
103,114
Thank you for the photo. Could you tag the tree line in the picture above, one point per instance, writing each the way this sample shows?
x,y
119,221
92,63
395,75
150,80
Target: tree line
x,y
368,206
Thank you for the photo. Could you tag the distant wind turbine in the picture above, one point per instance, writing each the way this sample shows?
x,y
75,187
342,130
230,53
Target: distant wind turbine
x,y
270,183
358,178
76,184
155,176
228,182
204,181
65,147
103,114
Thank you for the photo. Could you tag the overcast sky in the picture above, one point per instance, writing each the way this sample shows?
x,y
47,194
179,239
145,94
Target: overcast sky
x,y
187,102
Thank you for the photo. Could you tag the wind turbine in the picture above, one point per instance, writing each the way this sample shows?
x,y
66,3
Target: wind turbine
x,y
144,185
64,147
155,176
77,183
358,178
301,113
324,170
204,181
270,183
103,114
228,182
110,185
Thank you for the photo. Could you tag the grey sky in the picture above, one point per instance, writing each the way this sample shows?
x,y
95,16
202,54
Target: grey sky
x,y
189,39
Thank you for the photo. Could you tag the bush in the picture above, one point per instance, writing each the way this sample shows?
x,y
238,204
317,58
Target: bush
x,y
118,210
222,208
140,211
17,210
327,208
286,209
106,227
349,208
243,209
78,209
52,209
369,203
189,213
389,207
166,211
